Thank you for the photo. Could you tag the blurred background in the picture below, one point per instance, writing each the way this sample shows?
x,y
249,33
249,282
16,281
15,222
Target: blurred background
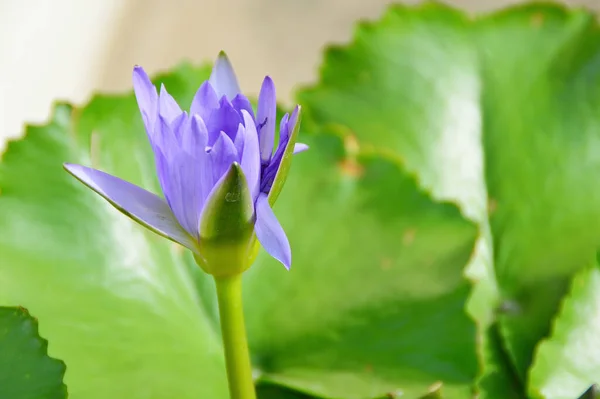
x,y
69,49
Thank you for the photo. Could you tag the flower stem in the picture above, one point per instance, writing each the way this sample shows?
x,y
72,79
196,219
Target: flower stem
x,y
237,357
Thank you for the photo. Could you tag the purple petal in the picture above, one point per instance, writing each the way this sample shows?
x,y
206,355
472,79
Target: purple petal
x,y
270,233
265,119
288,124
268,176
195,137
284,132
146,208
300,147
178,125
167,106
240,102
201,158
251,156
238,142
199,162
166,138
205,101
291,124
162,173
146,96
224,119
187,174
180,175
223,154
223,78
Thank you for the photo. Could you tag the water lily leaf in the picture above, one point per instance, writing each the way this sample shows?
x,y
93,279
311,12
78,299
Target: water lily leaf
x,y
376,273
498,113
374,302
568,362
117,302
26,370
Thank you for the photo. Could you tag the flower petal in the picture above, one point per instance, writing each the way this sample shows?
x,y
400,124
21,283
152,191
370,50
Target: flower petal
x,y
178,126
265,119
269,172
270,233
195,145
180,175
222,155
205,101
238,142
300,147
162,172
224,119
165,138
147,98
195,137
144,207
250,158
241,102
275,174
223,78
167,106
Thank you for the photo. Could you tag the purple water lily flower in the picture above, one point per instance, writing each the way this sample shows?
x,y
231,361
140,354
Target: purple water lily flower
x,y
216,167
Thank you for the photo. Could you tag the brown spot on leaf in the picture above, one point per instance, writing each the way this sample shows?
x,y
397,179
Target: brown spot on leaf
x,y
351,144
537,20
386,264
492,206
409,236
350,167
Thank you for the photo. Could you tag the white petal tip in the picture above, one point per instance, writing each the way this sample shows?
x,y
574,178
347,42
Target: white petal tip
x,y
300,147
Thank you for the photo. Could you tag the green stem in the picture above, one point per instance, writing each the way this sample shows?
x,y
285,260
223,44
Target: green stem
x,y
237,357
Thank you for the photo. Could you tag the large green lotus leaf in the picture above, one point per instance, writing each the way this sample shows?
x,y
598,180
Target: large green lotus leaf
x,y
118,303
568,362
498,113
374,302
541,128
26,370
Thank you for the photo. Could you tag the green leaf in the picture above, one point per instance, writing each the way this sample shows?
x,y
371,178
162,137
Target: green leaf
x,y
117,302
26,370
541,143
498,379
498,113
376,276
374,303
568,362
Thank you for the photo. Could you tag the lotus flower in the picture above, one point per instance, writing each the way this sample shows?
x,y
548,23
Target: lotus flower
x,y
217,170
